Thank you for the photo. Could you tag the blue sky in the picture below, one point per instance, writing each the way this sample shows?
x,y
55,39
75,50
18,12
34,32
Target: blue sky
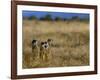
x,y
39,14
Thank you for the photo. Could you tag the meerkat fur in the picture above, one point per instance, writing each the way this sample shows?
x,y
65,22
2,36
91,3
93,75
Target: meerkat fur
x,y
35,49
44,51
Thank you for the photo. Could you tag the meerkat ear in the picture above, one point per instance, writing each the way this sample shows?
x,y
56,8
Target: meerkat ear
x,y
34,41
50,40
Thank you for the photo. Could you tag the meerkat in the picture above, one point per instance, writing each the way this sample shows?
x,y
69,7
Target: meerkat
x,y
50,42
44,51
35,49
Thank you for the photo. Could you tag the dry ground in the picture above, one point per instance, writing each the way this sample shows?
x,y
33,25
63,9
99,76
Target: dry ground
x,y
70,39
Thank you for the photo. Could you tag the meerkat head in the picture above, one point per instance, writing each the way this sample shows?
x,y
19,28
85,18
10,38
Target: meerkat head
x,y
34,43
50,41
45,45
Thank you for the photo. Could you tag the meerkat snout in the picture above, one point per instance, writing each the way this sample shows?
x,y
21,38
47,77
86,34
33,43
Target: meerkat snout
x,y
44,45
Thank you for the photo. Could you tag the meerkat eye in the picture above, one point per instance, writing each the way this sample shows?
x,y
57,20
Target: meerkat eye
x,y
42,43
45,42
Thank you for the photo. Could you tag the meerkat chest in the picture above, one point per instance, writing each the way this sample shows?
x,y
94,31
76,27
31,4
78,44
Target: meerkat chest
x,y
45,51
35,49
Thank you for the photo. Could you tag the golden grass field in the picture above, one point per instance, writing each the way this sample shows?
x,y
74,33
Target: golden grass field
x,y
70,39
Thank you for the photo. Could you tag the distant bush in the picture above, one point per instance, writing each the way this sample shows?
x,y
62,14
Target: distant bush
x,y
58,19
75,18
32,18
48,17
42,18
65,19
85,20
25,17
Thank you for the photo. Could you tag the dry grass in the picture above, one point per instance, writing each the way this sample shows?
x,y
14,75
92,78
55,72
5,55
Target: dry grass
x,y
70,39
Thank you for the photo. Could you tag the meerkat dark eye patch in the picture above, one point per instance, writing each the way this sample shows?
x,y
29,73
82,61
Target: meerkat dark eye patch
x,y
45,42
42,43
